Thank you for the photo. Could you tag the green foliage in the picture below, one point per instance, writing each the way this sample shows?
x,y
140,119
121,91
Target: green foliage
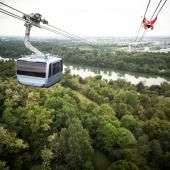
x,y
3,165
123,165
46,155
36,117
107,137
84,124
10,141
100,161
125,138
126,102
74,146
7,69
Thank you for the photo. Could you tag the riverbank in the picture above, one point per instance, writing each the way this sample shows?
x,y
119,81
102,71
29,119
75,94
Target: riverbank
x,y
99,56
7,69
111,74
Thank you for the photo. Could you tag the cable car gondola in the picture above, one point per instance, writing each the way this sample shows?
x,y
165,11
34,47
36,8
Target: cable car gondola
x,y
37,69
42,72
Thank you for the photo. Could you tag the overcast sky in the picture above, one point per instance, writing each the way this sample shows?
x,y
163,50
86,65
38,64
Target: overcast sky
x,y
88,17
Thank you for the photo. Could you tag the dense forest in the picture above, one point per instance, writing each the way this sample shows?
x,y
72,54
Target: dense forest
x,y
99,56
83,124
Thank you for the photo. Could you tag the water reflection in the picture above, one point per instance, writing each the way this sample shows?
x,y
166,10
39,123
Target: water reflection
x,y
108,74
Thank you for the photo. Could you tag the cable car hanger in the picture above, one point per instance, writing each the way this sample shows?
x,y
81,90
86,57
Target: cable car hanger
x,y
32,20
149,24
49,28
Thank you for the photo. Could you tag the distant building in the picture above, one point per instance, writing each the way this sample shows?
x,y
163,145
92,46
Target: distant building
x,y
164,50
129,48
3,59
146,49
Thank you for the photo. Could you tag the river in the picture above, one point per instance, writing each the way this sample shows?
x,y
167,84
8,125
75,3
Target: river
x,y
109,74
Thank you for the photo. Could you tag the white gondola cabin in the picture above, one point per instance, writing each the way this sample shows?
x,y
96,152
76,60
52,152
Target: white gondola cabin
x,y
41,72
37,69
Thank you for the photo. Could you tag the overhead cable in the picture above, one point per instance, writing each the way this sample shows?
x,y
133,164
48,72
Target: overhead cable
x,y
68,35
11,14
12,8
161,8
54,30
142,20
67,32
156,9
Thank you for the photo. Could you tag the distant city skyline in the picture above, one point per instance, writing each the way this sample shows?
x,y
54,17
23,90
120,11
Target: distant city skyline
x,y
87,17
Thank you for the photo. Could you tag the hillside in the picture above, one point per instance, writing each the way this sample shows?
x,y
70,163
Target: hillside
x,y
84,124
